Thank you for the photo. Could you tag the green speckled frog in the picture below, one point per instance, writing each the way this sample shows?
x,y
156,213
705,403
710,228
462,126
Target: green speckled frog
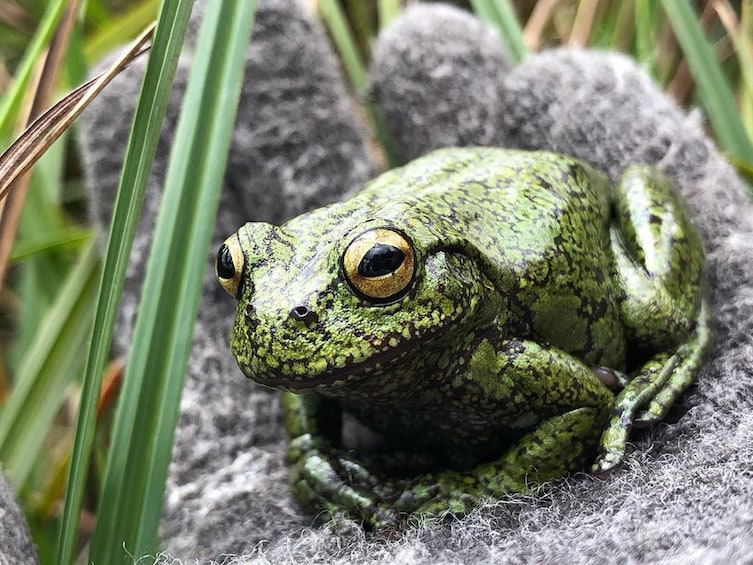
x,y
497,316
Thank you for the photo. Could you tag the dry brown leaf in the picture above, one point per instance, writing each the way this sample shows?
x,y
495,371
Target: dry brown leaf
x,y
50,125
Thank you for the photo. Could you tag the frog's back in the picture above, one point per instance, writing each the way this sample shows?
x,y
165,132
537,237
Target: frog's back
x,y
539,225
511,205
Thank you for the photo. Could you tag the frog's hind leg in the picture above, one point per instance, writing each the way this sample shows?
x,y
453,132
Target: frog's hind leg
x,y
649,395
659,260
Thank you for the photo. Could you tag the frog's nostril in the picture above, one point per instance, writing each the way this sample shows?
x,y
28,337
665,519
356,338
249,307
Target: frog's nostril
x,y
303,314
300,312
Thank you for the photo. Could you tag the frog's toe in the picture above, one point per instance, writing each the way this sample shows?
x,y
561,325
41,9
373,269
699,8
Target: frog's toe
x,y
309,497
653,413
609,460
386,520
683,366
613,445
657,408
320,475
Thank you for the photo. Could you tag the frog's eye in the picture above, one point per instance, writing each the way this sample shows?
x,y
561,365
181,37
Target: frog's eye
x,y
379,265
229,265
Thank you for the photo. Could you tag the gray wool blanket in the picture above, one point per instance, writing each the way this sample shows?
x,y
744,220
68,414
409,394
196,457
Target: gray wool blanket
x,y
441,78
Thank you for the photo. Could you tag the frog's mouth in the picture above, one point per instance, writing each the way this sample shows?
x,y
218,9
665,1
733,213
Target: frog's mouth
x,y
362,373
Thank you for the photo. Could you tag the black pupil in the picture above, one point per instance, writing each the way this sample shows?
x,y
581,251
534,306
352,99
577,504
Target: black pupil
x,y
225,267
382,259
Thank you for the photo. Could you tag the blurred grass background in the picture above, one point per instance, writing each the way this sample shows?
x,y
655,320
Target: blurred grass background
x,y
701,52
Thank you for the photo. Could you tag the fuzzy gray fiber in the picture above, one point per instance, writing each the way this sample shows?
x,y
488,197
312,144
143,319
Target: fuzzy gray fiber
x,y
441,78
16,547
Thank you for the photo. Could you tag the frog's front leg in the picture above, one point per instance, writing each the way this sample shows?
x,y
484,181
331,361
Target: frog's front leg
x,y
659,258
558,446
325,477
520,377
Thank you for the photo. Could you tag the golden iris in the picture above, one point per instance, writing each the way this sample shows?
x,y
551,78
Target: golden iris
x,y
380,264
229,265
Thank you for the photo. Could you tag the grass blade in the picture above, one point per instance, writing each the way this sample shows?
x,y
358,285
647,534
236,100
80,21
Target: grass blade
x,y
645,33
40,93
713,89
50,364
147,413
334,19
501,15
12,100
388,10
142,145
741,33
51,124
51,241
136,17
582,24
745,54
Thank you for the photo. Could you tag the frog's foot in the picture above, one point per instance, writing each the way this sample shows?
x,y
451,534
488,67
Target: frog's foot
x,y
691,356
333,482
649,395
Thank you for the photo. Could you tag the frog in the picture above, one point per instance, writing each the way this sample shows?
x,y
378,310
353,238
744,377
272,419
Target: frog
x,y
498,318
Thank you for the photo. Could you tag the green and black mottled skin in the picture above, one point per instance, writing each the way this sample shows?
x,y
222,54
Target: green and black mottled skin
x,y
536,282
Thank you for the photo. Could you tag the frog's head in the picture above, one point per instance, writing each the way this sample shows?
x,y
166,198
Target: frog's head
x,y
337,307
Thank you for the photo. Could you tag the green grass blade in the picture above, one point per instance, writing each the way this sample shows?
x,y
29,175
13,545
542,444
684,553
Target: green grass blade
x,y
388,10
334,19
50,241
129,25
743,40
12,100
622,30
147,413
713,89
501,15
645,33
363,25
40,275
52,362
163,60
